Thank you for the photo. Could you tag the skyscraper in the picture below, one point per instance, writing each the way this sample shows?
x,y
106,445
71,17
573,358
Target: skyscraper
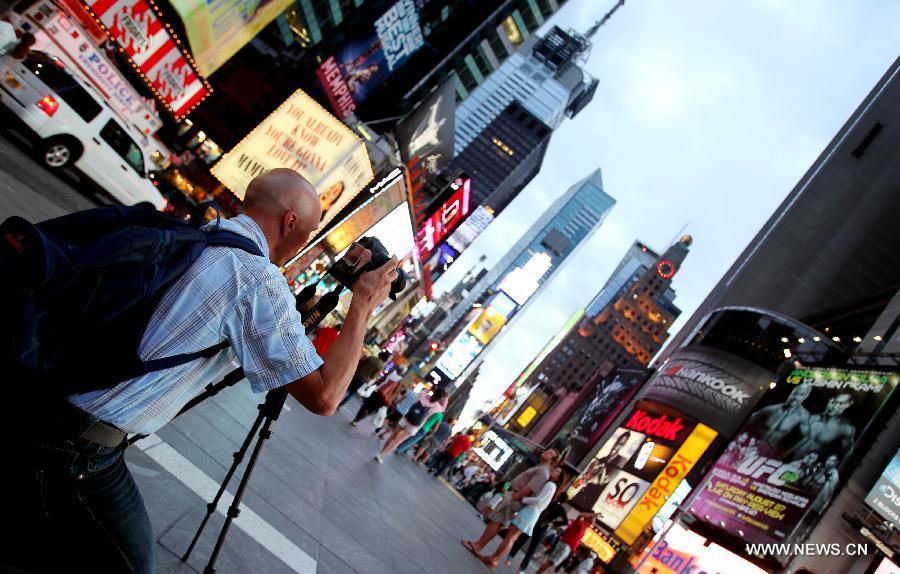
x,y
509,286
624,326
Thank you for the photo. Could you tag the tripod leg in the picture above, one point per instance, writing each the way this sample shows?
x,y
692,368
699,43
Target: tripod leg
x,y
270,411
238,457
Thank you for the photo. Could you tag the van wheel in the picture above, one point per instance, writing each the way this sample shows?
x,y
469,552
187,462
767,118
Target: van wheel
x,y
59,153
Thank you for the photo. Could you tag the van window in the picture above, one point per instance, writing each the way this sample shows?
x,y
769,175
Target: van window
x,y
120,141
50,72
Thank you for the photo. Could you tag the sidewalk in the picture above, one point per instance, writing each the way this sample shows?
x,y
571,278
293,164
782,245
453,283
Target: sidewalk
x,y
316,503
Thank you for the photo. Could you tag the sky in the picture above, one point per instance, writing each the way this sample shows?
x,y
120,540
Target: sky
x,y
706,115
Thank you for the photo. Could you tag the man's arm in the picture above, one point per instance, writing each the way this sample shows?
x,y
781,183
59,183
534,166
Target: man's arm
x,y
321,391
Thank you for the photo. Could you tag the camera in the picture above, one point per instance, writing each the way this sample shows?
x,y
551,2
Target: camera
x,y
346,274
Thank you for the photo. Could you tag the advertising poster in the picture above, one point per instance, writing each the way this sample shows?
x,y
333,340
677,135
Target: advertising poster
x,y
444,219
627,463
381,200
665,483
885,496
428,132
612,394
709,385
363,64
487,325
681,551
302,136
460,354
217,29
783,468
153,51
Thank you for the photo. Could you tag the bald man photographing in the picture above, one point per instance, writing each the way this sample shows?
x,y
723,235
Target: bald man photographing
x,y
76,490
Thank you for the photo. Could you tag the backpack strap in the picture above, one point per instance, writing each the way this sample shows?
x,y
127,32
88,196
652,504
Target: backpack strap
x,y
217,238
183,358
225,238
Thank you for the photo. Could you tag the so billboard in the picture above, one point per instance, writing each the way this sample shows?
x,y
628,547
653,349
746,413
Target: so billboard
x,y
775,479
638,467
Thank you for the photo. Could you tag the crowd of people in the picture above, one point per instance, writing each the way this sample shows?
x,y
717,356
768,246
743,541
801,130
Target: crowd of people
x,y
526,514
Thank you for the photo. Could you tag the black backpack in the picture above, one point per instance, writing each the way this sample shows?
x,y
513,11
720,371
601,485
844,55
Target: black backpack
x,y
79,290
416,413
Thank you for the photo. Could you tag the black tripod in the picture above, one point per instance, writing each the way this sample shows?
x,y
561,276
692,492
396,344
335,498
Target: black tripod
x,y
268,414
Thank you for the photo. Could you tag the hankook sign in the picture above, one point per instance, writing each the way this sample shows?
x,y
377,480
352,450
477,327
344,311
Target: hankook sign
x,y
711,386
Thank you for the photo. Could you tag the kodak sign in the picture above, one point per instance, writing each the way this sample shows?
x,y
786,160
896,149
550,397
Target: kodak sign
x,y
661,427
665,483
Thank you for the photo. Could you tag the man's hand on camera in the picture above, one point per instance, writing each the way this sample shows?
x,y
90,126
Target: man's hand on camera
x,y
374,286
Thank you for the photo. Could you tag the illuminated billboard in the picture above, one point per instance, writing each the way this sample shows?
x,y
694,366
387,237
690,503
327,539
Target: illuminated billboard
x,y
471,228
365,63
678,550
444,219
487,325
383,198
522,282
153,51
218,29
637,468
302,136
460,354
885,495
493,450
784,467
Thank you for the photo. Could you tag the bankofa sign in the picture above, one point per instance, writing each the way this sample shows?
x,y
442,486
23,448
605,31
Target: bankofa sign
x,y
157,56
784,467
714,387
302,136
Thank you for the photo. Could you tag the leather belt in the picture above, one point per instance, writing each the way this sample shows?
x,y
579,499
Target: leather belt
x,y
104,434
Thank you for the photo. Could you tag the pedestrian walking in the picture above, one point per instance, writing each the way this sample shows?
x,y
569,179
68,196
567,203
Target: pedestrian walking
x,y
458,446
366,371
434,441
586,566
383,397
427,429
525,518
528,483
66,476
428,404
569,542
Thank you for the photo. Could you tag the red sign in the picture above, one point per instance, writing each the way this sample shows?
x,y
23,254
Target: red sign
x,y
443,221
153,51
336,89
658,426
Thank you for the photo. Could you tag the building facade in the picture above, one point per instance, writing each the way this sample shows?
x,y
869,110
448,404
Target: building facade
x,y
624,326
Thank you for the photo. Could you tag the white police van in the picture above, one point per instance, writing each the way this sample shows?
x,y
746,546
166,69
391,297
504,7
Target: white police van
x,y
74,126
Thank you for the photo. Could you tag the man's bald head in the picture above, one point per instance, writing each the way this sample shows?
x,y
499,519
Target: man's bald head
x,y
279,190
287,209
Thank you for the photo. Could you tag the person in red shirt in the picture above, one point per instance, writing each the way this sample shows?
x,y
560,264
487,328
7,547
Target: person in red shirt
x,y
569,542
325,336
459,444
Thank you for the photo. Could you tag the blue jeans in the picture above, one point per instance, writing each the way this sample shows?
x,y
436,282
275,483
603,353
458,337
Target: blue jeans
x,y
72,505
410,442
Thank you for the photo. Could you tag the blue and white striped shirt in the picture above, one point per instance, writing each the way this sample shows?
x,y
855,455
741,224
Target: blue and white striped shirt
x,y
226,294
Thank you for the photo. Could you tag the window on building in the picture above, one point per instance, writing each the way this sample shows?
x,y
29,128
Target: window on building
x,y
513,32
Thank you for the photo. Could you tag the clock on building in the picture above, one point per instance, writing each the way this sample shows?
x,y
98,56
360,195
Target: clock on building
x,y
666,269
